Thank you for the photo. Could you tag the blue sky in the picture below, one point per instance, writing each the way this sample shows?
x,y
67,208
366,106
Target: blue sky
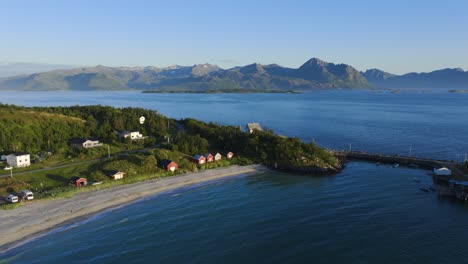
x,y
396,36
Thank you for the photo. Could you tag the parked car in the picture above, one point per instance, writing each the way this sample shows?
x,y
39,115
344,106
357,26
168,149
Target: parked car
x,y
11,198
27,195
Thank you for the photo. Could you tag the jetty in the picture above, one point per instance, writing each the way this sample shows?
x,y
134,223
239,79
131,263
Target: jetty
x,y
395,159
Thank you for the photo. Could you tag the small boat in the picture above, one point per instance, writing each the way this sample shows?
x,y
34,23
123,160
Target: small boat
x,y
396,165
416,179
424,189
378,164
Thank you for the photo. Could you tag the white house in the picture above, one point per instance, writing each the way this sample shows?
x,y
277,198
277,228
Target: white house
x,y
85,143
19,160
133,135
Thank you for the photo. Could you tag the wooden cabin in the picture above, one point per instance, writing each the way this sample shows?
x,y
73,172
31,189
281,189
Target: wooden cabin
x,y
217,156
229,155
169,165
209,157
199,159
78,182
117,175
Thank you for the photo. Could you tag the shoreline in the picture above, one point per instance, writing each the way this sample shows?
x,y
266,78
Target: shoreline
x,y
37,219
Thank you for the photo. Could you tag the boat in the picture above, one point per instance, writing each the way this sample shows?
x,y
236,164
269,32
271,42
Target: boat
x,y
416,179
424,189
396,165
378,164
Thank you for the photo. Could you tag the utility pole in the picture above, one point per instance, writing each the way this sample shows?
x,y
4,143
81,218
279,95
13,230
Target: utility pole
x,y
11,171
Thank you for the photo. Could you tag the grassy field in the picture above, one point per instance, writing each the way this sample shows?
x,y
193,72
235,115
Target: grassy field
x,y
55,183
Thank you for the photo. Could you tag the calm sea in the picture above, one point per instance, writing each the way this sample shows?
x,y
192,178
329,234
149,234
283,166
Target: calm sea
x,y
366,214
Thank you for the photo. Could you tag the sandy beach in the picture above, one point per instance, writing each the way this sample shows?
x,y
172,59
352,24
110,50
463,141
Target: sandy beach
x,y
34,218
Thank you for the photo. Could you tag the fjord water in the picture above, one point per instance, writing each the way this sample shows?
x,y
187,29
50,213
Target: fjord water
x,y
365,214
430,124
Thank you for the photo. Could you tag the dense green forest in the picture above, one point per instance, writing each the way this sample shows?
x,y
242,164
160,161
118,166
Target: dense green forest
x,y
261,146
36,129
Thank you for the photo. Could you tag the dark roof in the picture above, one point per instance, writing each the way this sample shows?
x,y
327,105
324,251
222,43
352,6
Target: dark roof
x,y
74,179
21,153
197,157
208,154
165,162
77,141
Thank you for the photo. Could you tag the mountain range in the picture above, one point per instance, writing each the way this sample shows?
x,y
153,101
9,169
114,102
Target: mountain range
x,y
313,74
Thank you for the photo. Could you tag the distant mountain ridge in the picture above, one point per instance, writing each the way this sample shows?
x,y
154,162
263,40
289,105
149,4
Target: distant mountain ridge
x,y
445,78
8,69
313,74
201,77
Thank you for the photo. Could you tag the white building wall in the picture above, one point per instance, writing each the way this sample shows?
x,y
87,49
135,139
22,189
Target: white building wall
x,y
18,161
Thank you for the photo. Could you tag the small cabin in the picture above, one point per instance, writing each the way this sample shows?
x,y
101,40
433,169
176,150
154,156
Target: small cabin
x,y
251,127
209,157
199,159
78,182
117,175
229,155
169,165
217,156
84,142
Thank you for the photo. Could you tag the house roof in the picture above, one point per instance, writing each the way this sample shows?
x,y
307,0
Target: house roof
x,y
20,153
77,140
165,162
252,126
75,179
208,154
197,157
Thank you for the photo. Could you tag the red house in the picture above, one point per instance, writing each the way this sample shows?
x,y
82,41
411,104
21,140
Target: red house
x,y
209,157
78,182
199,159
169,165
229,155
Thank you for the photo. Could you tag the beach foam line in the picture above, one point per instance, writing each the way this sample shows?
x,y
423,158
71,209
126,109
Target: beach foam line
x,y
34,220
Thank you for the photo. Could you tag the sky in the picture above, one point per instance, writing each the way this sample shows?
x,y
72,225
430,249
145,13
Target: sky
x,y
392,35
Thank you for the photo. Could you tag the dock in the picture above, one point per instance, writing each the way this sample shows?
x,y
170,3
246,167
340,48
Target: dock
x,y
395,159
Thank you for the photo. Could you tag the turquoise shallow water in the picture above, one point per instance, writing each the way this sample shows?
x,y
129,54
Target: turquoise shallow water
x,y
366,214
